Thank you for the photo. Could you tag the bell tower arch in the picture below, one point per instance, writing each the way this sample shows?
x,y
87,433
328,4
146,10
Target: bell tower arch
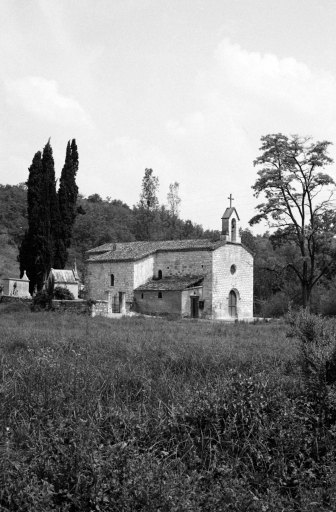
x,y
230,224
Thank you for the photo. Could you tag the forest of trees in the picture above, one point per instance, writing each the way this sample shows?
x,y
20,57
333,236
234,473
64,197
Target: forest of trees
x,y
294,261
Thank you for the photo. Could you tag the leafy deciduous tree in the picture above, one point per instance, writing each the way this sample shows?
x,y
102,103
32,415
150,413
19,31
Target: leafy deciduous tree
x,y
148,205
297,203
174,199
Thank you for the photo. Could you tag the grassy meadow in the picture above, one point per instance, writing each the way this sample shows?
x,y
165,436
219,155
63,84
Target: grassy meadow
x,y
160,415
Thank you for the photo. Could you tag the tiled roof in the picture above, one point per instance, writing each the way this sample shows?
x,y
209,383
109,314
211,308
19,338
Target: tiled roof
x,y
63,276
138,250
171,283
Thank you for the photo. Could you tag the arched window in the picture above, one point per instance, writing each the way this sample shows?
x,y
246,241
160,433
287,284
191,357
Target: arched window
x,y
112,280
233,230
232,304
160,274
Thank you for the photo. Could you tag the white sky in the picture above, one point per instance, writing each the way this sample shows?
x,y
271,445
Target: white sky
x,y
186,87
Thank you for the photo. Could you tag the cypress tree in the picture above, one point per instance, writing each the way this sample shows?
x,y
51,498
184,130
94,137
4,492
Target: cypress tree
x,y
29,246
52,232
67,198
39,246
50,215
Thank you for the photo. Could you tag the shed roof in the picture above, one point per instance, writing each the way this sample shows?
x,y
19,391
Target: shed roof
x,y
64,276
129,251
171,283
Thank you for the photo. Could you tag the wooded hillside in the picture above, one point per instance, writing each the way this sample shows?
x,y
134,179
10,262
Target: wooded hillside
x,y
99,221
107,220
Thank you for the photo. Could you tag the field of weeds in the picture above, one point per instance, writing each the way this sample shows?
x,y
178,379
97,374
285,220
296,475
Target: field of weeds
x,y
158,415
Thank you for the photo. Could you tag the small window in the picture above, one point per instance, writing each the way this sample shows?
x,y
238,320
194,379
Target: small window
x,y
112,280
142,295
160,274
160,295
233,269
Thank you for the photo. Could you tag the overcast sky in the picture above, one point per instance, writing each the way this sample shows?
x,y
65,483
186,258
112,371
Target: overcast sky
x,y
186,87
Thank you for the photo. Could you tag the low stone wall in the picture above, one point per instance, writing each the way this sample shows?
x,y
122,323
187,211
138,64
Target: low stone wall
x,y
5,299
79,307
99,308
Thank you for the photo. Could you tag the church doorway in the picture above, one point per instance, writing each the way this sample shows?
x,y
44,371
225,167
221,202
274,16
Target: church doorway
x,y
194,306
119,303
232,304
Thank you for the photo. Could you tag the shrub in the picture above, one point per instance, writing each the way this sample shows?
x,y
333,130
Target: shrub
x,y
62,293
316,359
42,300
276,306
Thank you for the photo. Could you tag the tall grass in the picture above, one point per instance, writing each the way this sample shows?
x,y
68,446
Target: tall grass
x,y
152,414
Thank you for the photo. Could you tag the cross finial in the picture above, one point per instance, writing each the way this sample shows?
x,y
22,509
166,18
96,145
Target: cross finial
x,y
231,199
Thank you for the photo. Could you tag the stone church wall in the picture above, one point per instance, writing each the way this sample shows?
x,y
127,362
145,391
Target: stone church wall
x,y
181,263
99,279
143,270
148,303
241,281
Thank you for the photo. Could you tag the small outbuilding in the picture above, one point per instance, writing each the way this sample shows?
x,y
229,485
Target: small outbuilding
x,y
66,279
171,295
14,287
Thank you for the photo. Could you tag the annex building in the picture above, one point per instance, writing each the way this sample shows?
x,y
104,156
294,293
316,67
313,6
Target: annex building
x,y
192,278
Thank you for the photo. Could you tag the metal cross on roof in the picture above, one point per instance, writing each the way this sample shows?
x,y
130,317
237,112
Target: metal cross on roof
x,y
231,199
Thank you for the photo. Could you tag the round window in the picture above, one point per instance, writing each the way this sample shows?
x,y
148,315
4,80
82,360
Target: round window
x,y
233,269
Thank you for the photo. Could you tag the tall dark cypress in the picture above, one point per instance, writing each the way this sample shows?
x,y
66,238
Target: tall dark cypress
x,y
67,198
39,247
50,215
29,249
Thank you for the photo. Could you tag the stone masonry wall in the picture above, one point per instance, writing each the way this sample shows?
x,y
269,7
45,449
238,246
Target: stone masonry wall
x,y
186,304
224,281
12,299
143,270
80,307
100,308
99,280
150,304
181,263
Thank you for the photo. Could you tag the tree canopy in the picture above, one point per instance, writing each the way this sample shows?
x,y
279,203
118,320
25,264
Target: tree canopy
x,y
297,204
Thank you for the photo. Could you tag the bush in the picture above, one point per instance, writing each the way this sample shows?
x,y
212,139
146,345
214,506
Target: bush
x,y
62,293
42,300
316,359
276,306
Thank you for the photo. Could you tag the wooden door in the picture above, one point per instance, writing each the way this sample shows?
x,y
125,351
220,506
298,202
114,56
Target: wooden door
x,y
194,299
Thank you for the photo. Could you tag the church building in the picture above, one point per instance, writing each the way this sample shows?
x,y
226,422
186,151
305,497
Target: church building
x,y
191,278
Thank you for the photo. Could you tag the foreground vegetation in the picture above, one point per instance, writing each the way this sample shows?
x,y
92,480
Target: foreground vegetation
x,y
159,415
